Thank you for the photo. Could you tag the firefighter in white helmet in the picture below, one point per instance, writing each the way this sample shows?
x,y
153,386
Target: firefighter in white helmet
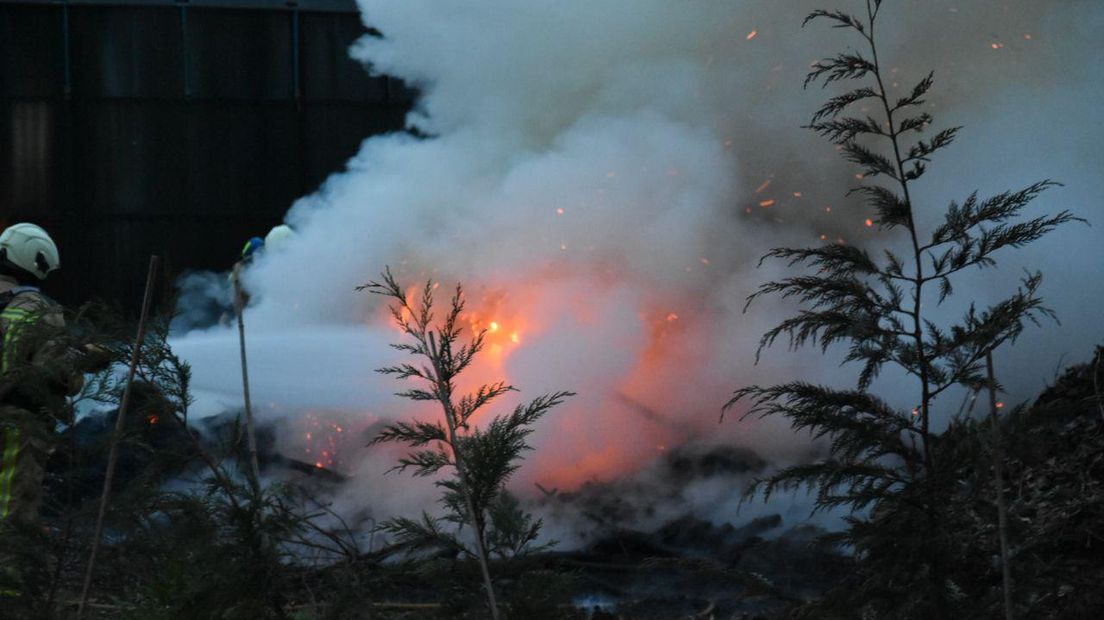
x,y
32,379
277,239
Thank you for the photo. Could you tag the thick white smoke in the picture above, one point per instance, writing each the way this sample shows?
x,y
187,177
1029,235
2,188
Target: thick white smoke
x,y
603,175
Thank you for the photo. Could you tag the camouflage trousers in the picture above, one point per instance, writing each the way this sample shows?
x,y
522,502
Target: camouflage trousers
x,y
23,453
22,466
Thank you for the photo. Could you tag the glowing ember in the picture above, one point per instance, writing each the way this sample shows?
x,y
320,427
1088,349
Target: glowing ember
x,y
751,35
824,237
323,441
1027,36
766,203
514,338
672,317
797,194
493,326
1000,405
559,211
869,222
763,186
704,261
996,46
827,209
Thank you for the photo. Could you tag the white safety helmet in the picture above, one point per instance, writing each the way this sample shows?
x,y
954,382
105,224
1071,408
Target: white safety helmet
x,y
278,238
30,249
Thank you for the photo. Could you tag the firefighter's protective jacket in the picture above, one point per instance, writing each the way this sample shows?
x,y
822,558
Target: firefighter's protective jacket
x,y
32,374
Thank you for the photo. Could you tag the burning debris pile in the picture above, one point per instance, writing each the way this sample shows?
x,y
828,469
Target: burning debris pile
x,y
607,216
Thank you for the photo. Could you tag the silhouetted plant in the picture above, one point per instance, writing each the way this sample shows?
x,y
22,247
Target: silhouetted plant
x,y
481,459
882,459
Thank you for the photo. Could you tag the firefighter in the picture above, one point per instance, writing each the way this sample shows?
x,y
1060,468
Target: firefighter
x,y
278,238
37,372
275,241
33,376
252,248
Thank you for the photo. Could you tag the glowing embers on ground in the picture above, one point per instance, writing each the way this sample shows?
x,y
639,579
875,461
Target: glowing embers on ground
x,y
322,441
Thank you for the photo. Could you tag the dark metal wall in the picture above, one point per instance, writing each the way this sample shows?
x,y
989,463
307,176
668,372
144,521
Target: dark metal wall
x,y
177,128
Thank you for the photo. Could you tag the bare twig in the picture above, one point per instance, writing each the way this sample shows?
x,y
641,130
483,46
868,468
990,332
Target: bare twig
x,y
998,472
1096,381
251,436
113,453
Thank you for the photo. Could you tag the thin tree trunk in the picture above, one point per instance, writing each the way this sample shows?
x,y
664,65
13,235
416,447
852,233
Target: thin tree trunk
x,y
998,472
113,453
1096,381
934,532
445,396
481,547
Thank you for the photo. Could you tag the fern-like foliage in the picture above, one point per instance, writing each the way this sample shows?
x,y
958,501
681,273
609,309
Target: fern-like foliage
x,y
480,459
873,303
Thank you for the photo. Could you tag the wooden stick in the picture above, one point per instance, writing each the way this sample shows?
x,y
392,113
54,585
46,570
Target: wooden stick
x,y
251,436
1002,510
113,453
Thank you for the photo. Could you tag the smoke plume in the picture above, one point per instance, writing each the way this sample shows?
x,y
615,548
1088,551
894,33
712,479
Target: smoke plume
x,y
602,176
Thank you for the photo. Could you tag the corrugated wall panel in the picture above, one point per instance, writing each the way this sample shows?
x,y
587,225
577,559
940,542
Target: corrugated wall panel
x,y
126,51
180,133
31,58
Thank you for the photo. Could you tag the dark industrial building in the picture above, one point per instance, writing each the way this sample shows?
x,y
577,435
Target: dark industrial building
x,y
175,127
